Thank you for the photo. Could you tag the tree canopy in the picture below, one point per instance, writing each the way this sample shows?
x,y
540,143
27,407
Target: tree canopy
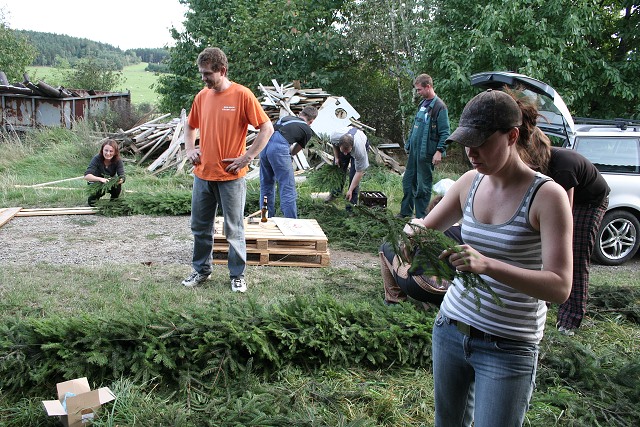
x,y
586,49
16,53
263,39
370,50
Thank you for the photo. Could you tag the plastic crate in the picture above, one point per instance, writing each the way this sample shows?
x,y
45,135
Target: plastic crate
x,y
373,199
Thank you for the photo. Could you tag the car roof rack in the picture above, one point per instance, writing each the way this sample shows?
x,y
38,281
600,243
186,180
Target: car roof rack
x,y
622,124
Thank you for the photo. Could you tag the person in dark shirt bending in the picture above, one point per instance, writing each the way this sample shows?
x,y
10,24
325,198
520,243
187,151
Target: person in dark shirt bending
x,y
588,194
291,134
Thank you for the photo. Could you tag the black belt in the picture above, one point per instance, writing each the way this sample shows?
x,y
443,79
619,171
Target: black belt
x,y
472,332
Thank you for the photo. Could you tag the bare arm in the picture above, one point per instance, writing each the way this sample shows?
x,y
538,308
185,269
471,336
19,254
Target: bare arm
x,y
354,183
570,193
92,178
336,155
193,154
295,149
449,210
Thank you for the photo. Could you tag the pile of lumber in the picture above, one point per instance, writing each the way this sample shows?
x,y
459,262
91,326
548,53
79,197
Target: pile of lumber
x,y
290,99
6,214
161,141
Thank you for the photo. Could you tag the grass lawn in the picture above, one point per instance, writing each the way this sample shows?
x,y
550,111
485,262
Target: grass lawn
x,y
137,80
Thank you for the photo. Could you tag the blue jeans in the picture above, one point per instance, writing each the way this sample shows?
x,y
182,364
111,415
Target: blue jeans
x,y
275,166
489,382
230,196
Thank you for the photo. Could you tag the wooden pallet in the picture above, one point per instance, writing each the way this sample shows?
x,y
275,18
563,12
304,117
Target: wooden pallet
x,y
267,244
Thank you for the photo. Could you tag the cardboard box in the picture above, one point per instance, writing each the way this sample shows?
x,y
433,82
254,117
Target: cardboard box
x,y
81,403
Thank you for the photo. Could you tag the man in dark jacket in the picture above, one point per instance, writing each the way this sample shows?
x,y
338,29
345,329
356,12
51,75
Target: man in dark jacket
x,y
425,149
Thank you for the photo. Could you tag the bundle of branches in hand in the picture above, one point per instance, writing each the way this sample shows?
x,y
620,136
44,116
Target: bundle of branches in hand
x,y
423,249
327,178
100,188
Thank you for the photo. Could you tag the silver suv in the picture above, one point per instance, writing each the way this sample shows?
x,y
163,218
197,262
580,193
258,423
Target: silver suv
x,y
613,146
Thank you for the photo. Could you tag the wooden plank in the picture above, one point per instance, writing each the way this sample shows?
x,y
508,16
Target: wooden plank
x,y
134,129
56,211
6,214
276,260
49,188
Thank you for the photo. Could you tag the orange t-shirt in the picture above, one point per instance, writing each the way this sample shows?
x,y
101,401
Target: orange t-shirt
x,y
223,119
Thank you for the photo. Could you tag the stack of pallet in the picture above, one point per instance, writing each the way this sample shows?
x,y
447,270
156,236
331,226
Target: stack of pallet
x,y
277,242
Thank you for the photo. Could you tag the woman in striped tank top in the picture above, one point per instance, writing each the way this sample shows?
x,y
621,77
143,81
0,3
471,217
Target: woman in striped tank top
x,y
516,229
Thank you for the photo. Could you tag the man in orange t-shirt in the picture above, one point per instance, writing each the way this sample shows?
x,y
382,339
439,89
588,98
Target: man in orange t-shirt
x,y
222,112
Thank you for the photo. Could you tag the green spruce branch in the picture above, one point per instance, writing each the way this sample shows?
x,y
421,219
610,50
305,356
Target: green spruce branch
x,y
423,249
327,178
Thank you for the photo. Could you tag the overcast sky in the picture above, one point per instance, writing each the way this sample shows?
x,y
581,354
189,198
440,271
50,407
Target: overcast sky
x,y
125,24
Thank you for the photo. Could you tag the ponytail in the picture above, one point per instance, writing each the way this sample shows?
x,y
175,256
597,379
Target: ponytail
x,y
534,147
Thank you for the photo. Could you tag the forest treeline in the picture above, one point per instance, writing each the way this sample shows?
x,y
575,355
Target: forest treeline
x,y
56,49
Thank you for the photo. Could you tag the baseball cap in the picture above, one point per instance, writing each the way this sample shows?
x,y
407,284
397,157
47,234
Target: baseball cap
x,y
486,113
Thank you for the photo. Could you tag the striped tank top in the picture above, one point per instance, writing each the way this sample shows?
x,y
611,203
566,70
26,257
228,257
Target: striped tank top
x,y
514,242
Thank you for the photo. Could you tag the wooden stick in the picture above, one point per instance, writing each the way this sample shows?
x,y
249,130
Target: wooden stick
x,y
55,182
50,188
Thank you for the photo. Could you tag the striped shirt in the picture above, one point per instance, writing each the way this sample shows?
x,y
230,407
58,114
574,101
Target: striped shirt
x,y
514,242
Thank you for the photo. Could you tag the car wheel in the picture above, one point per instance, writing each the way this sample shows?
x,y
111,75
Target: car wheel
x,y
618,239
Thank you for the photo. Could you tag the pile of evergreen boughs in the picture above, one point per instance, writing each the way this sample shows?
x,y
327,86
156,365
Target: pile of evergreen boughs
x,y
173,346
168,202
623,300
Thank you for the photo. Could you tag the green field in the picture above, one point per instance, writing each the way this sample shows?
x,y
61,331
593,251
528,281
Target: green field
x,y
137,80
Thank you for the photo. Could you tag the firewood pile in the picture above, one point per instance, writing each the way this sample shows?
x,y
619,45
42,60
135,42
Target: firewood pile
x,y
157,141
290,99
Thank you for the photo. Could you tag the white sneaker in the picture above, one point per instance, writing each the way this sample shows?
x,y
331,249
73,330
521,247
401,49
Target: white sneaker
x,y
238,285
195,279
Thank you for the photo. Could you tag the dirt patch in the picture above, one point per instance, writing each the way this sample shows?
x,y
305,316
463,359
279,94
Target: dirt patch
x,y
96,239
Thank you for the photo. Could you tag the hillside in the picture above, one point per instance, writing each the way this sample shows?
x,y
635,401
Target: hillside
x,y
53,48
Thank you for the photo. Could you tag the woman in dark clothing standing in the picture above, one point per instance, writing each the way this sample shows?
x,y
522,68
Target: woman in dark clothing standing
x,y
589,197
105,165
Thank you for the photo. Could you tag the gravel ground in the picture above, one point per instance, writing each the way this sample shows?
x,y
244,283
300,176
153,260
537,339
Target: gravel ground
x,y
96,239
